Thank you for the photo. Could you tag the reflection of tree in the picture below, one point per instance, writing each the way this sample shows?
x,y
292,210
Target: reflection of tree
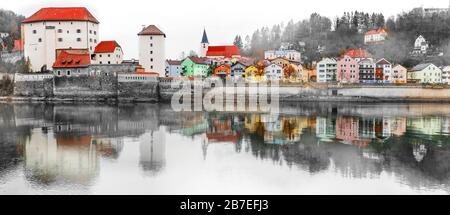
x,y
290,128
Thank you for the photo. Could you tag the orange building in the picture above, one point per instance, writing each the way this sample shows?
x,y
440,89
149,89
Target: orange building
x,y
222,71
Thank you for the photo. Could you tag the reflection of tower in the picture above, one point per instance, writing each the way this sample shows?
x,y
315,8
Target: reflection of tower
x,y
205,144
153,152
204,45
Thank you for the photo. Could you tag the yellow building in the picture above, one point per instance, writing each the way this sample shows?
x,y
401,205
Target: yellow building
x,y
251,73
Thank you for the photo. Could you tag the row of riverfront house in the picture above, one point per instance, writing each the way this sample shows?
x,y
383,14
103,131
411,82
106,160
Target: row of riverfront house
x,y
66,41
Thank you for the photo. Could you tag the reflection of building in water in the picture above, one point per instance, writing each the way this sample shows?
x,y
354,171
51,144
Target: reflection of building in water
x,y
446,125
221,129
108,147
347,129
393,126
325,129
153,151
419,152
70,159
278,130
194,123
426,125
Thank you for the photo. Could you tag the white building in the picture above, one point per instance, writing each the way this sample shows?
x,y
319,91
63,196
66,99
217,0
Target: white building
x,y
326,70
446,75
3,34
375,36
108,52
425,73
152,50
291,55
50,29
173,68
273,72
420,46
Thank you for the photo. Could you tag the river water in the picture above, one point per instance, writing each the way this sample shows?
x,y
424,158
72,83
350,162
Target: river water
x,y
310,148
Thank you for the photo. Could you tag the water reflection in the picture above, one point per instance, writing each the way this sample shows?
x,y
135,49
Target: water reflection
x,y
65,144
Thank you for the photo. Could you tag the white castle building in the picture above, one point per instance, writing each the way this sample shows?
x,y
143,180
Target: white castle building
x,y
152,47
50,29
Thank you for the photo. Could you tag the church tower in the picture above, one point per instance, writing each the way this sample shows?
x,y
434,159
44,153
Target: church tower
x,y
204,45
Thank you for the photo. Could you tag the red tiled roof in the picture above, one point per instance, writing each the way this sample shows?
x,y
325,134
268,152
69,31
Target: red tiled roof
x,y
357,53
225,51
376,31
66,60
174,62
18,45
61,14
106,47
146,73
151,30
199,60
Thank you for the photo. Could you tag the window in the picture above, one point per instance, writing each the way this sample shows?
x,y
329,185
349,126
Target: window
x,y
59,30
90,40
151,67
78,39
151,59
101,62
109,55
59,73
60,39
68,32
151,38
109,62
95,41
100,55
95,32
90,31
40,40
151,52
78,31
151,44
68,72
34,31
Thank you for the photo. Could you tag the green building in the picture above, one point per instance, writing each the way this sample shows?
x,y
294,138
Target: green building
x,y
195,67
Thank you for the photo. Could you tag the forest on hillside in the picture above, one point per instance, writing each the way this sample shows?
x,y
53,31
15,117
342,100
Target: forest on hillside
x,y
321,36
10,23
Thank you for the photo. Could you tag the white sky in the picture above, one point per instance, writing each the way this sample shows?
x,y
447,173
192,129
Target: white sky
x,y
183,20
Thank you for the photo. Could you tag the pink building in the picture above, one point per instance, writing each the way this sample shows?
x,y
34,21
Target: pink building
x,y
347,70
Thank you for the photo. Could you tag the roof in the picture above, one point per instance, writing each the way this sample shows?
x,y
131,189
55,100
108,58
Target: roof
x,y
199,60
151,30
67,60
106,47
146,73
376,31
205,37
421,67
357,53
225,51
174,62
327,60
366,61
61,14
383,61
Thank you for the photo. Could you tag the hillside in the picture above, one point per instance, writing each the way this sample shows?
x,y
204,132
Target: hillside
x,y
321,36
10,23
